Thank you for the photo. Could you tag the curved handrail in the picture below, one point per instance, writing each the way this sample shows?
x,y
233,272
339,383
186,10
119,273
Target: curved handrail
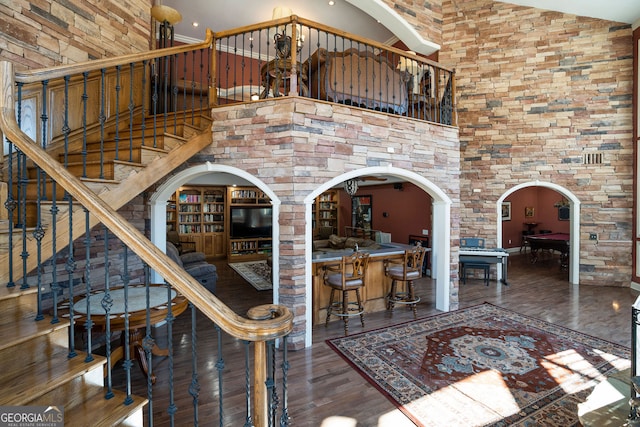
x,y
278,325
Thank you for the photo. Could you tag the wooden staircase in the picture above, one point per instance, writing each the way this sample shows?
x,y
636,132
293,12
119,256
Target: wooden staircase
x,y
125,181
37,366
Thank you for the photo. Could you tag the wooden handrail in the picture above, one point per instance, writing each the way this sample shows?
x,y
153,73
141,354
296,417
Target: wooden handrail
x,y
278,326
293,19
60,71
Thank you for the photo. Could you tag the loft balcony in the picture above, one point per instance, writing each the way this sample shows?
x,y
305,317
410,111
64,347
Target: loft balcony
x,y
294,56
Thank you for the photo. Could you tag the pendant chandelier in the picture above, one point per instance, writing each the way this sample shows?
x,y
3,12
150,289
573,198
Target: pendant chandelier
x,y
351,187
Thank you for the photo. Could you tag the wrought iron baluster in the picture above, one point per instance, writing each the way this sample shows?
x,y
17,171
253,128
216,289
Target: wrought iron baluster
x,y
272,394
220,368
24,179
143,125
127,353
85,99
173,408
117,112
101,119
132,105
247,386
38,234
285,419
107,304
10,205
194,386
87,283
44,118
55,287
70,267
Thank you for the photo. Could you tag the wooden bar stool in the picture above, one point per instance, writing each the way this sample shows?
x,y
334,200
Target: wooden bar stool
x,y
404,270
348,275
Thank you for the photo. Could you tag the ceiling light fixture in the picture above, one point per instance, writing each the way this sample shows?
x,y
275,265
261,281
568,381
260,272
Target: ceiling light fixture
x,y
351,187
331,2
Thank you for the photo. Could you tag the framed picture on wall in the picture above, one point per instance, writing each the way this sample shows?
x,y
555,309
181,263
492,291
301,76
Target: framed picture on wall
x,y
506,211
361,207
528,212
563,213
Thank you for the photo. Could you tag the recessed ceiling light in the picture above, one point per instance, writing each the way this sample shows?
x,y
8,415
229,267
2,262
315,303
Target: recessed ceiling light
x,y
331,2
195,24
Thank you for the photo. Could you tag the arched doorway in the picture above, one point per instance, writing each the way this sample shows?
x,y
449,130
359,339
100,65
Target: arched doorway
x,y
158,202
441,237
574,219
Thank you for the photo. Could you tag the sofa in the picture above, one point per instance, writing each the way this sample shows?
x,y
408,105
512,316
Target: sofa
x,y
196,265
359,78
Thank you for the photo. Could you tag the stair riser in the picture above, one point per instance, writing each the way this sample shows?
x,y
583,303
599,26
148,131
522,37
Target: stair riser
x,y
125,142
123,154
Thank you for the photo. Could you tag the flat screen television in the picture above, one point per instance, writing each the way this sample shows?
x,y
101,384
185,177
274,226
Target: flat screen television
x,y
250,221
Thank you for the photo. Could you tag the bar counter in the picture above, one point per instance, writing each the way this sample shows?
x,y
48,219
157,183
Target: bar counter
x,y
376,284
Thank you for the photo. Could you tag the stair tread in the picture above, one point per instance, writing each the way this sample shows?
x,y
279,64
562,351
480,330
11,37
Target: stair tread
x,y
97,162
18,323
37,368
99,412
141,147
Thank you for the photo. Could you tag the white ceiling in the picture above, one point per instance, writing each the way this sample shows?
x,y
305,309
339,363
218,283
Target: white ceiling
x,y
225,15
222,15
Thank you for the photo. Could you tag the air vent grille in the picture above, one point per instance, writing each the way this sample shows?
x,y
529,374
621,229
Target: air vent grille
x,y
592,158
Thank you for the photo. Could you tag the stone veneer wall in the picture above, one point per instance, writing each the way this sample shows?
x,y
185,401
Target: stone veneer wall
x,y
425,16
44,33
296,144
536,91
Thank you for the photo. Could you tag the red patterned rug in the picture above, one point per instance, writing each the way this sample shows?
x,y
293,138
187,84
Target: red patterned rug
x,y
483,366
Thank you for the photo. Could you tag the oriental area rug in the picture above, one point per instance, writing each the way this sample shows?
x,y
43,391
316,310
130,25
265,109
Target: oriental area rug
x,y
257,273
483,366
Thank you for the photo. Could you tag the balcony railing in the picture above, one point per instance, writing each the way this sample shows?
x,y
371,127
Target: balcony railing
x,y
295,56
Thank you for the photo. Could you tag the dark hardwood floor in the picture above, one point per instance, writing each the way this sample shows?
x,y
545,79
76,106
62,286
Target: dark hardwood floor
x,y
324,390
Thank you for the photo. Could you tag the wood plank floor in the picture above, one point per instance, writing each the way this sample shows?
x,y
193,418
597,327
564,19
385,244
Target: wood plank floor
x,y
325,391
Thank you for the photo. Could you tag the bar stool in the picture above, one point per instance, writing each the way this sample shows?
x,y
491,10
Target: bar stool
x,y
404,270
348,275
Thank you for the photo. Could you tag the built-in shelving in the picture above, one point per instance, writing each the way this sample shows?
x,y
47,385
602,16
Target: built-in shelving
x,y
247,248
198,214
325,213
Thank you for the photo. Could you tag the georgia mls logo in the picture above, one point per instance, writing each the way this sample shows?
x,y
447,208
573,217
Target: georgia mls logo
x,y
31,416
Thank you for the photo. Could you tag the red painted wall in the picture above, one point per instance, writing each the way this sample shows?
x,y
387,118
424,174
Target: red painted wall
x,y
408,210
545,214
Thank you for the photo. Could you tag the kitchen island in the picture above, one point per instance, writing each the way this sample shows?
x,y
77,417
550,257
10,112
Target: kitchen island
x,y
376,283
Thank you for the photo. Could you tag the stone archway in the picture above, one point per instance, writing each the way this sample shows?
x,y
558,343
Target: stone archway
x,y
158,203
441,235
574,206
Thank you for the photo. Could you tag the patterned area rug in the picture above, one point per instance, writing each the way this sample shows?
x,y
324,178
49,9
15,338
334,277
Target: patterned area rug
x,y
258,273
483,366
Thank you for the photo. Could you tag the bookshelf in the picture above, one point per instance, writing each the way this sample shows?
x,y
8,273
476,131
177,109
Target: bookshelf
x,y
198,214
325,212
247,248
